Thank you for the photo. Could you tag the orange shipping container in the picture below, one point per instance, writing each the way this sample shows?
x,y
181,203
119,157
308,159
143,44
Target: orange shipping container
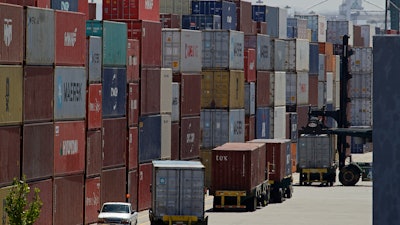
x,y
330,63
325,48
293,148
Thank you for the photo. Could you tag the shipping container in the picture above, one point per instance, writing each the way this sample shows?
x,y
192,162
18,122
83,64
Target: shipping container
x,y
133,188
277,92
182,50
321,67
278,126
317,24
132,9
321,94
114,142
65,5
180,7
149,138
262,27
39,36
299,55
201,22
263,88
190,138
115,43
175,140
291,89
361,85
367,33
133,104
250,128
175,113
94,106
280,55
250,65
145,177
133,144
4,192
165,136
70,93
10,154
293,126
361,113
94,59
150,86
244,21
223,49
314,58
38,91
68,191
132,61
297,28
238,166
302,116
94,28
222,89
12,46
275,17
361,61
92,199
94,159
329,87
70,40
46,196
313,94
225,9
358,40
166,91
315,151
170,20
11,82
205,159
250,98
335,30
293,147
263,122
190,93
69,148
336,94
92,11
113,185
114,92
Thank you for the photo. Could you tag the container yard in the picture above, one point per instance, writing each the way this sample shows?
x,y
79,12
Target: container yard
x,y
94,110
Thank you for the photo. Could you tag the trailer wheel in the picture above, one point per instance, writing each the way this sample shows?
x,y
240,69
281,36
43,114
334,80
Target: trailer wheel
x,y
278,196
349,176
289,192
252,204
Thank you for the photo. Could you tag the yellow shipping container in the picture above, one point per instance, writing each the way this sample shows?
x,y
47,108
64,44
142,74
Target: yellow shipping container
x,y
11,86
3,215
207,82
205,157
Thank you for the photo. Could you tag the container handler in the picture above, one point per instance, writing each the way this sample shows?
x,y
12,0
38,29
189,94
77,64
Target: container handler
x,y
239,179
177,193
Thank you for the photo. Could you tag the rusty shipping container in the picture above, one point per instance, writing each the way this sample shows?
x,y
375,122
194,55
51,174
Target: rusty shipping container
x,y
38,91
93,153
92,199
133,144
11,84
190,93
133,188
175,140
68,191
313,90
69,147
114,142
238,166
132,9
113,185
150,95
94,58
46,196
244,20
114,92
170,20
250,65
38,150
12,46
94,106
10,154
145,178
190,138
133,104
132,61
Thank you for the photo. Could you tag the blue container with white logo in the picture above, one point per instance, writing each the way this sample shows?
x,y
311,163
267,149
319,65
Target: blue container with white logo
x,y
263,122
114,92
201,22
227,11
65,5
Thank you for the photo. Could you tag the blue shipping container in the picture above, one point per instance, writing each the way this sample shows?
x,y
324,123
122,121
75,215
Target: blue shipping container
x,y
293,127
201,22
149,138
314,51
263,122
114,92
65,5
227,11
258,13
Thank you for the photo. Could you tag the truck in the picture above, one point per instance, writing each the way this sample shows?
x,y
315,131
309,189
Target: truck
x,y
239,180
278,163
178,193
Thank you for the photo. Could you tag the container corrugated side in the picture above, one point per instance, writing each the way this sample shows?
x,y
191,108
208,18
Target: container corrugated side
x,y
313,58
367,33
190,138
302,88
114,133
133,180
11,84
250,98
165,136
10,145
132,61
262,88
144,193
12,48
277,93
114,92
181,7
166,91
150,86
94,106
111,188
46,196
115,43
317,24
335,30
361,113
93,158
263,121
315,151
132,144
149,138
280,57
92,199
279,122
299,55
133,104
190,91
175,114
68,5
95,59
361,85
291,87
361,61
262,44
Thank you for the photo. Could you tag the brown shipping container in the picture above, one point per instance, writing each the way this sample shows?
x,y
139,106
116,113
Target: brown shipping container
x,y
94,106
114,142
144,179
10,153
133,144
12,91
92,199
250,65
253,27
262,89
288,125
38,150
330,63
68,199
93,153
133,59
175,139
313,90
46,196
38,94
133,188
4,191
150,83
238,166
205,158
190,138
12,44
244,20
325,48
113,185
83,7
302,116
262,27
133,104
70,41
358,40
69,147
293,148
92,11
250,126
170,20
190,91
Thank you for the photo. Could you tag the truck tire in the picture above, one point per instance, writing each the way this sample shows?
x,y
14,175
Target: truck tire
x,y
278,196
252,204
349,175
289,192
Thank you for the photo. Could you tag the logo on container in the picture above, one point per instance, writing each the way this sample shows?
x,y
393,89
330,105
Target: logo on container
x,y
190,138
251,66
191,51
93,200
114,91
7,94
238,128
69,147
238,49
264,52
7,31
64,5
70,38
221,157
148,4
95,106
72,92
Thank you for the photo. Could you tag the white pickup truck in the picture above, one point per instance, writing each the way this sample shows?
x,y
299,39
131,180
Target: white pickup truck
x,y
117,213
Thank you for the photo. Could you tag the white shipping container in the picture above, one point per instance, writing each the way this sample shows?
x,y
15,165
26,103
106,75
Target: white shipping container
x,y
280,56
302,88
321,67
362,60
165,136
361,86
278,88
299,54
182,50
317,25
367,33
291,88
335,31
361,112
250,98
329,87
264,50
279,124
336,94
175,102
277,22
321,94
180,7
166,91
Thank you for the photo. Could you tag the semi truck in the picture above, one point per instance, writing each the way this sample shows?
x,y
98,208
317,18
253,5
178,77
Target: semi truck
x,y
178,193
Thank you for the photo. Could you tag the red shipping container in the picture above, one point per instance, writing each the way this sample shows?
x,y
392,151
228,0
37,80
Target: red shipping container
x,y
92,199
250,126
38,151
69,147
190,93
68,192
170,20
190,138
133,143
293,148
93,153
141,10
302,116
12,44
313,90
113,185
325,48
145,179
262,89
114,142
38,91
133,188
262,27
237,166
92,11
150,83
46,196
83,7
43,3
10,153
110,9
94,106
70,38
250,65
36,3
175,139
133,59
253,27
244,20
133,104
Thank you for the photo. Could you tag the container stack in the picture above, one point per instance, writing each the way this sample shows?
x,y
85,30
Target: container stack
x,y
297,28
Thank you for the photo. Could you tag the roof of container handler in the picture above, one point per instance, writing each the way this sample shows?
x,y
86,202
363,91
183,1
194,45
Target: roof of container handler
x,y
353,132
177,164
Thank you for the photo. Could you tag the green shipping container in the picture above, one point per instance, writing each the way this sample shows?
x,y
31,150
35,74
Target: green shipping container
x,y
94,28
11,92
115,43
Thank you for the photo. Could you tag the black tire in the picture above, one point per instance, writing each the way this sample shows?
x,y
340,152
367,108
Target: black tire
x,y
349,176
289,192
252,204
278,196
